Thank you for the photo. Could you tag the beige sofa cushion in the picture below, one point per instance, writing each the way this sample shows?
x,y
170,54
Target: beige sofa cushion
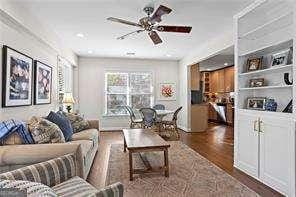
x,y
88,134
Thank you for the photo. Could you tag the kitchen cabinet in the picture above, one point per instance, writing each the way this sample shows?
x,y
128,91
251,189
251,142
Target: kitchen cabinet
x,y
265,149
221,79
229,79
214,82
195,77
229,114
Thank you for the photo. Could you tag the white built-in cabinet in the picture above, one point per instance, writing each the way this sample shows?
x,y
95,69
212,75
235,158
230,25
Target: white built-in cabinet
x,y
264,141
265,149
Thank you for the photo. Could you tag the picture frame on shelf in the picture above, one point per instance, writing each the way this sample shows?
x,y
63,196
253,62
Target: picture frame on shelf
x,y
289,107
42,83
254,64
257,82
280,58
256,103
17,79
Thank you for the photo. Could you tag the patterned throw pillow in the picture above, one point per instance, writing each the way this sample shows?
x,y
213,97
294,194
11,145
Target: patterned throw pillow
x,y
63,123
77,121
44,131
32,189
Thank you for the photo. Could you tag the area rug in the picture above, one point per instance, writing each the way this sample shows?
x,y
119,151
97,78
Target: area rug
x,y
190,175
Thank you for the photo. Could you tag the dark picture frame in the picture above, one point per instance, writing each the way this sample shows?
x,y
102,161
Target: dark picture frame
x,y
256,103
254,64
17,78
258,82
42,83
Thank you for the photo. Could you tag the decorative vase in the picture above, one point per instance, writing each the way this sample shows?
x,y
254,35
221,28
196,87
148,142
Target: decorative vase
x,y
270,105
287,80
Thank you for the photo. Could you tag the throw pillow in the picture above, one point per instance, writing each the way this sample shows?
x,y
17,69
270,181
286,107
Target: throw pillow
x,y
44,131
31,189
77,121
63,123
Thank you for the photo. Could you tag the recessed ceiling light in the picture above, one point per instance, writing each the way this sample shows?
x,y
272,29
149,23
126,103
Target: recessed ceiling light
x,y
80,35
130,53
89,51
168,55
208,69
225,64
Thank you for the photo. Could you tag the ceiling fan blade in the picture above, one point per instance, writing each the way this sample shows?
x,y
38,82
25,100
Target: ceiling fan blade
x,y
129,34
177,29
161,10
155,37
118,20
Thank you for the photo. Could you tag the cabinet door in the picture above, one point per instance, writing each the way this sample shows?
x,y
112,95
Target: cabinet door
x,y
214,82
247,144
220,83
229,79
277,154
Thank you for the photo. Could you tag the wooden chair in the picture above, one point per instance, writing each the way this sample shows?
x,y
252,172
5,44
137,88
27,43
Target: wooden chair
x,y
169,129
149,117
134,122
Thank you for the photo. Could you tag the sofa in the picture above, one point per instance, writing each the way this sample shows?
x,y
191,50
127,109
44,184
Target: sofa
x,y
58,177
84,143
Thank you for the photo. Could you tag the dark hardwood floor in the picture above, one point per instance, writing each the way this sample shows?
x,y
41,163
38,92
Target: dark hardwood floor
x,y
216,144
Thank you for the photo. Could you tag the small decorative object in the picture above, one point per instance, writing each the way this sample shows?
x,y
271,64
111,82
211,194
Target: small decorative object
x,y
167,91
287,80
259,82
254,64
16,78
270,105
256,103
289,107
68,101
280,59
43,83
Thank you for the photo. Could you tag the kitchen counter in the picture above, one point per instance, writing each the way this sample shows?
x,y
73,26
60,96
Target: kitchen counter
x,y
199,117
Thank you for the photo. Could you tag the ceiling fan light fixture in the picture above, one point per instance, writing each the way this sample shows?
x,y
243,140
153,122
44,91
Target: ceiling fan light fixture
x,y
130,53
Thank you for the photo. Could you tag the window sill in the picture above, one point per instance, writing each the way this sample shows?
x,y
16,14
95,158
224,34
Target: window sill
x,y
111,115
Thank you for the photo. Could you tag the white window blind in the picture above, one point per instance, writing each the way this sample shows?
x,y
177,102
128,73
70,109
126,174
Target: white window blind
x,y
127,88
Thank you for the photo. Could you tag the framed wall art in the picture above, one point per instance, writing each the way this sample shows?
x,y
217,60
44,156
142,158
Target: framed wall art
x,y
42,83
16,78
167,91
280,59
254,64
256,103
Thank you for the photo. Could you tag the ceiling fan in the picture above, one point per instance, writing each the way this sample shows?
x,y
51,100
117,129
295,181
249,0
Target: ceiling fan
x,y
150,24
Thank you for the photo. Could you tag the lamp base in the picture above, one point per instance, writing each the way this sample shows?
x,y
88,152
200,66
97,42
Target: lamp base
x,y
69,108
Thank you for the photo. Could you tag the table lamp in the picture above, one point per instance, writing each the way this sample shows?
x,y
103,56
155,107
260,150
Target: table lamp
x,y
68,101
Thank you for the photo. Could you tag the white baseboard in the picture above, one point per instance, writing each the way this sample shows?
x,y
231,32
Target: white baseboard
x,y
184,128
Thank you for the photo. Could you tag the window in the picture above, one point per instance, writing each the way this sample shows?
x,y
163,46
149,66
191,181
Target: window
x,y
127,88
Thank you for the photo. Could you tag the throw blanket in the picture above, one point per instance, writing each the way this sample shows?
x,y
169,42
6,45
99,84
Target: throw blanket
x,y
10,126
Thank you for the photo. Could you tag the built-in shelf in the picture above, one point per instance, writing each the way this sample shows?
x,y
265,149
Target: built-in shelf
x,y
271,113
267,87
271,69
269,27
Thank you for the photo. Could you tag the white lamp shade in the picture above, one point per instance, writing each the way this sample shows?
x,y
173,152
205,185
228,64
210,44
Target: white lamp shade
x,y
68,98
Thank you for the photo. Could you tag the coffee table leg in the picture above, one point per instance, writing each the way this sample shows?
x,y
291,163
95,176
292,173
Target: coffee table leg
x,y
124,145
166,162
131,165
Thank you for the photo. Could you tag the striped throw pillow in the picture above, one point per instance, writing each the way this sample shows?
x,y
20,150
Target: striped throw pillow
x,y
32,189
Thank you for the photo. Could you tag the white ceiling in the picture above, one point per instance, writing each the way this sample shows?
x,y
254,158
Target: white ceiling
x,y
218,60
208,18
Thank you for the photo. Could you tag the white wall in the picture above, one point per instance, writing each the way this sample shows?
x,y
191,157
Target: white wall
x,y
23,37
210,48
91,85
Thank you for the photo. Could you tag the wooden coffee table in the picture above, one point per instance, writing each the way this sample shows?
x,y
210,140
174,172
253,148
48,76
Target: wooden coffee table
x,y
145,140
